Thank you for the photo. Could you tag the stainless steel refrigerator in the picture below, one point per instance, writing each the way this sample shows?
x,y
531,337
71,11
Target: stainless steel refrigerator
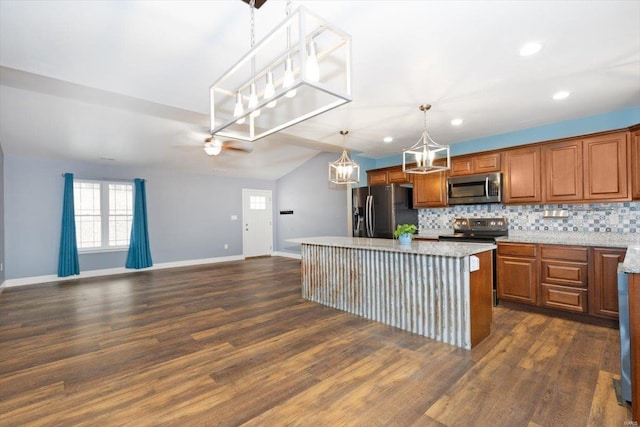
x,y
378,209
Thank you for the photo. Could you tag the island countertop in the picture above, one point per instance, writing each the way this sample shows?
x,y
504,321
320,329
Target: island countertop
x,y
448,249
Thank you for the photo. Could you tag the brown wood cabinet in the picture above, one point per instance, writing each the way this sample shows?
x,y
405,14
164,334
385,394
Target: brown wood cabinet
x,y
635,164
430,190
377,177
564,277
604,284
522,173
397,176
570,278
392,175
606,173
482,163
563,175
517,272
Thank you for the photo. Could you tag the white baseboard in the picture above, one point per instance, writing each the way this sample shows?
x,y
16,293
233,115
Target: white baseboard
x,y
287,255
119,270
2,286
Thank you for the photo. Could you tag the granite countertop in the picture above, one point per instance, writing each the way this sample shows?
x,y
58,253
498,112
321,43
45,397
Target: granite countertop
x,y
450,249
631,262
607,240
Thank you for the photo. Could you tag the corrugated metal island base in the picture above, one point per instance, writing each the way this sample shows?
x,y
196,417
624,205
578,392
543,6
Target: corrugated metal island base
x,y
427,288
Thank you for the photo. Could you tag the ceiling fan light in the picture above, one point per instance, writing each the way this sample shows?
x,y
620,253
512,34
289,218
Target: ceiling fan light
x,y
212,148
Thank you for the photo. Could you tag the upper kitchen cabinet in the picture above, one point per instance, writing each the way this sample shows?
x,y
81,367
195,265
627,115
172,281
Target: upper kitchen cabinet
x,y
392,175
606,171
635,163
522,171
430,190
468,165
397,176
563,175
377,177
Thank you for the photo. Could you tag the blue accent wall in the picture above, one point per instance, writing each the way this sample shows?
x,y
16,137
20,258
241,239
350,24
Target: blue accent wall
x,y
582,126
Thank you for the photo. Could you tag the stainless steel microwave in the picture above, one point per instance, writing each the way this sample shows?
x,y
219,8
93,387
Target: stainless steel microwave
x,y
475,189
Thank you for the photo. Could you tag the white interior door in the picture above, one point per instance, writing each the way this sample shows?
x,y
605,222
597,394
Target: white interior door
x,y
257,222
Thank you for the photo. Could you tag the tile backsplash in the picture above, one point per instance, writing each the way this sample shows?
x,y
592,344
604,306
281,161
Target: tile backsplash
x,y
603,217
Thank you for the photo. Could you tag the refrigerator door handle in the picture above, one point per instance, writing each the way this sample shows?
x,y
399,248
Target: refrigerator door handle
x,y
369,216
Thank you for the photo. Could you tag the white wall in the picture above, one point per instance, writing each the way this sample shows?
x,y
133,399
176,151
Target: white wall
x,y
319,208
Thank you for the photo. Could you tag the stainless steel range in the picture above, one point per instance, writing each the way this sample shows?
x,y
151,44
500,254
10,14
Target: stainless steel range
x,y
479,230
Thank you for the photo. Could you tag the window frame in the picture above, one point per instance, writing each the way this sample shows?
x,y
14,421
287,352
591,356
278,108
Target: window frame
x,y
104,215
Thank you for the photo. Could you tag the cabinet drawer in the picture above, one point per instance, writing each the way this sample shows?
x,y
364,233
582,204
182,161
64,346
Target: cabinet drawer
x,y
517,249
564,298
566,253
565,273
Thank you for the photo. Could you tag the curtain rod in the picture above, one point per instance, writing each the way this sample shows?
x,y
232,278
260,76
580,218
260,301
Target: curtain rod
x,y
104,179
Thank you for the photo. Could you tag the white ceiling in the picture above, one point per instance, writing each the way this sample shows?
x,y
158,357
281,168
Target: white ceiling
x,y
129,81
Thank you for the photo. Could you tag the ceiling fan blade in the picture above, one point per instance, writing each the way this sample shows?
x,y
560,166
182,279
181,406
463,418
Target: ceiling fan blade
x,y
245,150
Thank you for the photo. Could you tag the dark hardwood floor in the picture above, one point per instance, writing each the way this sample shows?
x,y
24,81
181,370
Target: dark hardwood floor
x,y
234,343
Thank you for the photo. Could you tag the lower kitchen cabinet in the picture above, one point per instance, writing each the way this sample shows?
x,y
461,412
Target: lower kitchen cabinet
x,y
564,298
517,273
604,285
577,279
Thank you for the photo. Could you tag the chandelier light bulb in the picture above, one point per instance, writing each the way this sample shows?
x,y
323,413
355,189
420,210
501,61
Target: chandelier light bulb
x,y
287,80
239,109
313,69
269,90
253,100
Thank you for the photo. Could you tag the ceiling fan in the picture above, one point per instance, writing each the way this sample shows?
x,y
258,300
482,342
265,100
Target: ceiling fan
x,y
213,146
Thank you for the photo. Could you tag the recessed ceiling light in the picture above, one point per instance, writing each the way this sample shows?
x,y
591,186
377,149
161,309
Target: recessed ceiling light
x,y
563,94
388,139
456,122
530,49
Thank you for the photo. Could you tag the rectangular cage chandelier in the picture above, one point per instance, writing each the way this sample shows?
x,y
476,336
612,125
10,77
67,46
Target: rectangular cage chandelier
x,y
302,68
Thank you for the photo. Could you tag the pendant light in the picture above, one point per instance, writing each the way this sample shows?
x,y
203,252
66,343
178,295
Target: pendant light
x,y
420,157
258,97
344,170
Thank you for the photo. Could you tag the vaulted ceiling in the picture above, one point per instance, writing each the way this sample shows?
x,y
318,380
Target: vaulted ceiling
x,y
127,82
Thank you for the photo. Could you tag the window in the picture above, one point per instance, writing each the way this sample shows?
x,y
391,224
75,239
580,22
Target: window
x,y
104,213
257,202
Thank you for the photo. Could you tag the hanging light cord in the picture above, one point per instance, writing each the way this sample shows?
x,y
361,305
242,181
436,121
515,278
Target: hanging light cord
x,y
252,5
287,10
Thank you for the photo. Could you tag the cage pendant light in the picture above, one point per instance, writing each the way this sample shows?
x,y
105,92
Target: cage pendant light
x,y
301,69
426,155
344,170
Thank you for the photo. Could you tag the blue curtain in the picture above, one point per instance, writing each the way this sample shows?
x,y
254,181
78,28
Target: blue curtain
x,y
68,256
139,252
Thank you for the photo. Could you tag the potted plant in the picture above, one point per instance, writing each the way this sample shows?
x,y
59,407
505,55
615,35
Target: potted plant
x,y
404,232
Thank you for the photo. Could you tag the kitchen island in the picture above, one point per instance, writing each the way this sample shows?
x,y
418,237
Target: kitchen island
x,y
440,290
